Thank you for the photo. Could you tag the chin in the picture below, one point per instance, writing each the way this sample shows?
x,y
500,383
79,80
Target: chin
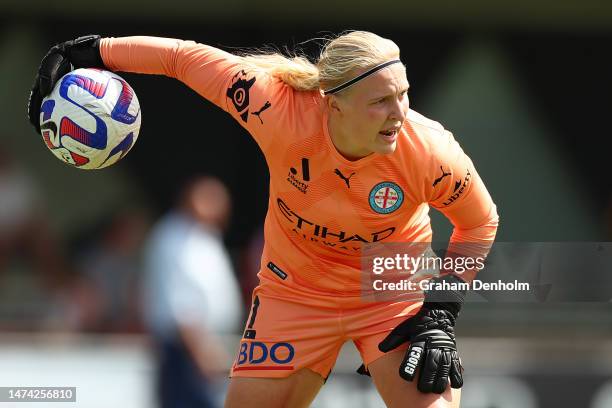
x,y
387,148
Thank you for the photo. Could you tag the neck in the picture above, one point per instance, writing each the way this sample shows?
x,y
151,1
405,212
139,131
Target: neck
x,y
342,141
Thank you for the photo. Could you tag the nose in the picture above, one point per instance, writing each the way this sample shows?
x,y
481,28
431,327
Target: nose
x,y
399,110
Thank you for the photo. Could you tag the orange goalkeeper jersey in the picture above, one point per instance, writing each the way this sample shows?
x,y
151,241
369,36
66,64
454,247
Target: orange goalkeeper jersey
x,y
323,207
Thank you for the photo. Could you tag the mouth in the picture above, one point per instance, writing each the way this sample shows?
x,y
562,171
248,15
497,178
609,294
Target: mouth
x,y
389,135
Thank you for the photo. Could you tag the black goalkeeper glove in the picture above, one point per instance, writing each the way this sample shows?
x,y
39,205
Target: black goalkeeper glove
x,y
83,52
432,341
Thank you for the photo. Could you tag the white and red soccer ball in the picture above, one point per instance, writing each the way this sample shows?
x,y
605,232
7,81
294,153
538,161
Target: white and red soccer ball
x,y
91,119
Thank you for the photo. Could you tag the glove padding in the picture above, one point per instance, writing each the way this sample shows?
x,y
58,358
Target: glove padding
x,y
432,350
83,52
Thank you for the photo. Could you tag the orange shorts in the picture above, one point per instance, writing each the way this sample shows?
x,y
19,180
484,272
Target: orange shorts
x,y
289,329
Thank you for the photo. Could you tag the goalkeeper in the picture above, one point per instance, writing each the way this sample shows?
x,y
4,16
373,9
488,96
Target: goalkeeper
x,y
350,163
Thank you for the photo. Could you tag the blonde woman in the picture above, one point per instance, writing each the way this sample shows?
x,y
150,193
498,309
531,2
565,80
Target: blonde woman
x,y
349,164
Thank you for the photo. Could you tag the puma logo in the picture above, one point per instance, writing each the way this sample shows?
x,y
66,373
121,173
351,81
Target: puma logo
x,y
439,179
260,111
346,179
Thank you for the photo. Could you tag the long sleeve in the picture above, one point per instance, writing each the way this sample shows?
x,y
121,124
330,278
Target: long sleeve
x,y
203,68
463,198
250,96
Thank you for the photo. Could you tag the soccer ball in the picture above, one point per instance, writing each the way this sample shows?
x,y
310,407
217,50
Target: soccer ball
x,y
91,118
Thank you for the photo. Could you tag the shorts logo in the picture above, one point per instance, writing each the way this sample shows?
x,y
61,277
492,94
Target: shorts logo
x,y
386,197
254,355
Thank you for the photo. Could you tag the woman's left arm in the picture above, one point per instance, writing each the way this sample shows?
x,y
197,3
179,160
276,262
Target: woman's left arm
x,y
463,198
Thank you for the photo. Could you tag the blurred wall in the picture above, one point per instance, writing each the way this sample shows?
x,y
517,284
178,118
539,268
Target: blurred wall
x,y
543,14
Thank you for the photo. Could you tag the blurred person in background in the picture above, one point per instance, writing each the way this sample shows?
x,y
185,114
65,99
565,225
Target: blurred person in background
x,y
191,296
349,164
107,290
24,231
27,241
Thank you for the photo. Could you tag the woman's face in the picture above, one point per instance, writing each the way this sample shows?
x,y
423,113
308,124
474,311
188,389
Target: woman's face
x,y
367,116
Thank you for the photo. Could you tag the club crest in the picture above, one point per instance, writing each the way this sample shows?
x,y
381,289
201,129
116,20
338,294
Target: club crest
x,y
386,197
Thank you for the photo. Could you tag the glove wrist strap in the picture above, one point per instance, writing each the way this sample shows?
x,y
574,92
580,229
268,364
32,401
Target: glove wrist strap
x,y
85,52
450,299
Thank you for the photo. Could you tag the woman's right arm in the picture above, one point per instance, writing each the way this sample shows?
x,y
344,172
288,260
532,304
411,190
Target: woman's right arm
x,y
203,68
216,75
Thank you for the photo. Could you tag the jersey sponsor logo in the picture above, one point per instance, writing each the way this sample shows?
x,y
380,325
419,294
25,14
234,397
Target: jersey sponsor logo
x,y
439,179
460,186
292,177
239,94
256,355
260,111
346,179
324,235
386,197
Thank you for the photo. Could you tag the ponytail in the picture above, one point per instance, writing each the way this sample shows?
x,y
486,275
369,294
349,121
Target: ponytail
x,y
339,60
297,71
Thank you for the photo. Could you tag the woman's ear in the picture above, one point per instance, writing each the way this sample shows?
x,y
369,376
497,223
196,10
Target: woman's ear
x,y
333,104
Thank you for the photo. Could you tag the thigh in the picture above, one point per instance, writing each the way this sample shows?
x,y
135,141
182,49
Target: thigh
x,y
284,335
298,390
396,392
368,325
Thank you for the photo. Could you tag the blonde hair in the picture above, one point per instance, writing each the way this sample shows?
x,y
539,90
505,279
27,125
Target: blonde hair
x,y
338,61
